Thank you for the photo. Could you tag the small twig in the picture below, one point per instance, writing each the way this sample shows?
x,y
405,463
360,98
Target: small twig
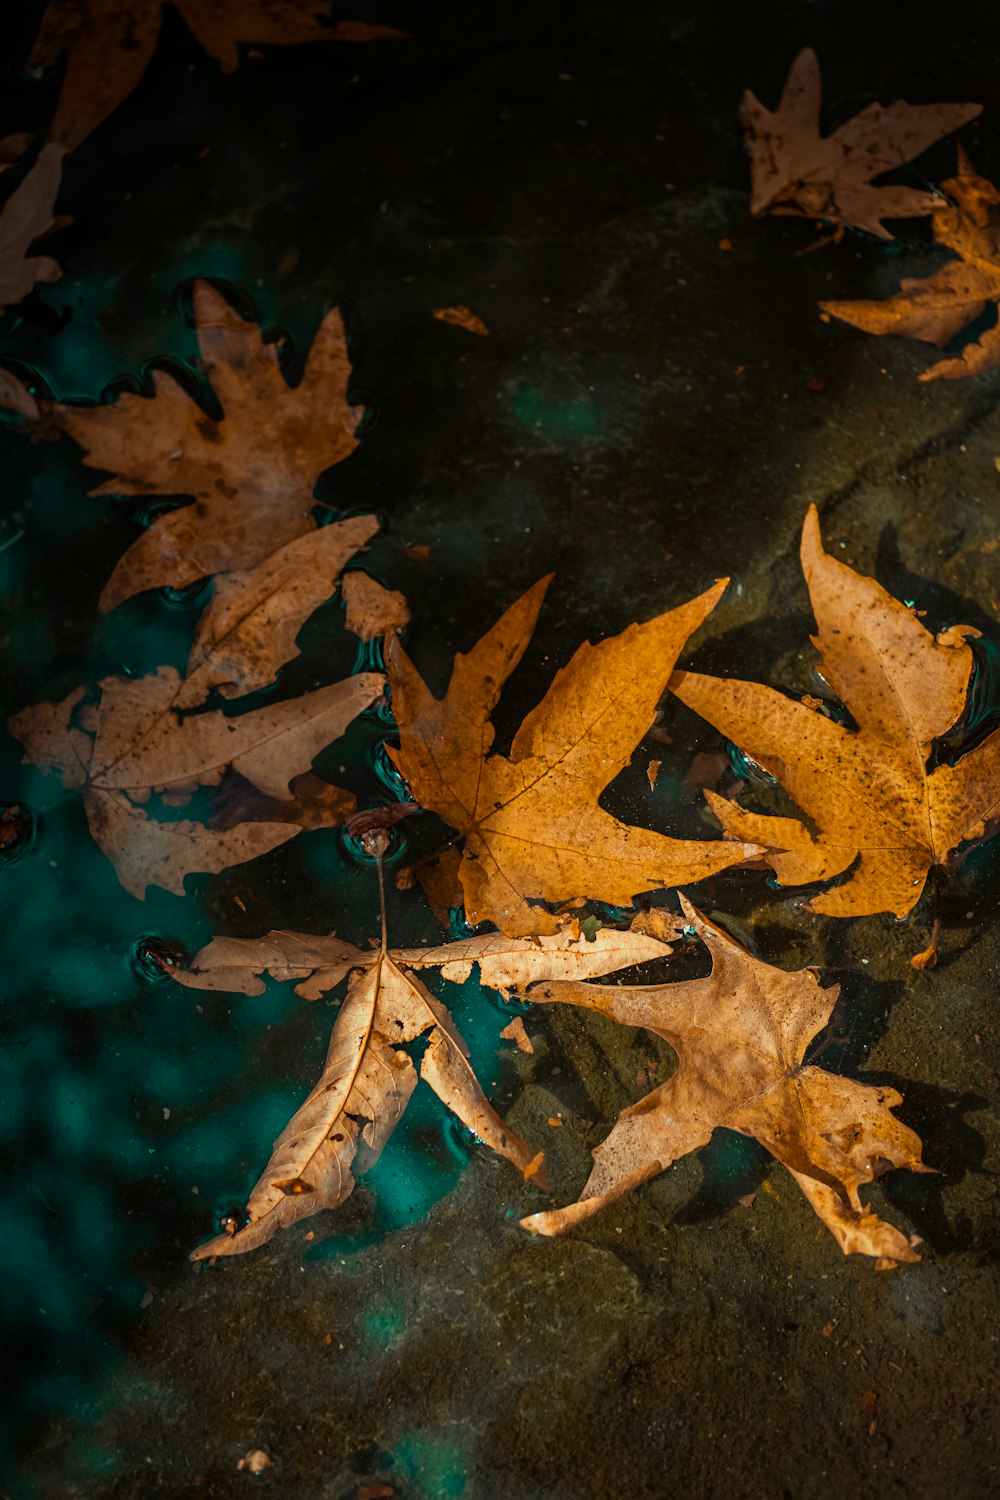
x,y
376,842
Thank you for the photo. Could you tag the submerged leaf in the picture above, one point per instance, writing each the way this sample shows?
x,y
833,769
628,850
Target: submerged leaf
x,y
798,171
28,214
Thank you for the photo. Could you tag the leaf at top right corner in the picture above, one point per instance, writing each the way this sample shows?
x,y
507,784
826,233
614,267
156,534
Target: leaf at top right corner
x,y
796,170
938,307
874,810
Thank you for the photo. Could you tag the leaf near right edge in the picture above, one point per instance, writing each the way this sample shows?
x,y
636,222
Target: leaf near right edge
x,y
740,1036
938,307
877,811
534,831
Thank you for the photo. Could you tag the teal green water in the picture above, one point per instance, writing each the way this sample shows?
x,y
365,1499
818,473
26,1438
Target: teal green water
x,y
133,1111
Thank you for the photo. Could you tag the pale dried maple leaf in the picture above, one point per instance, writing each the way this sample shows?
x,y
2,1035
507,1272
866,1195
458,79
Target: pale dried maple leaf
x,y
247,632
28,214
135,742
875,810
937,307
795,170
341,1129
251,475
110,43
741,1036
532,824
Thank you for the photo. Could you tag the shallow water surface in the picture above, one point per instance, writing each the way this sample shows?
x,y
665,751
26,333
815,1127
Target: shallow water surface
x,y
656,404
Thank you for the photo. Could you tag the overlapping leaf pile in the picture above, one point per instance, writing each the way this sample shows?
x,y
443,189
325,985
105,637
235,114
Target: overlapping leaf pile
x,y
875,808
796,170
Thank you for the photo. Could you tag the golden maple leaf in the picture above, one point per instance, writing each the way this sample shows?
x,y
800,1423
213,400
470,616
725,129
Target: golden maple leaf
x,y
136,741
741,1036
532,825
251,475
795,170
937,307
875,811
341,1129
110,43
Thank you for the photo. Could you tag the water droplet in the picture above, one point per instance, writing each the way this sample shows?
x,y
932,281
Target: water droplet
x,y
17,832
154,957
361,849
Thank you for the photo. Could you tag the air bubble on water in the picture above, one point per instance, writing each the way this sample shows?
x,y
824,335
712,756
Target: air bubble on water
x,y
154,958
358,848
17,832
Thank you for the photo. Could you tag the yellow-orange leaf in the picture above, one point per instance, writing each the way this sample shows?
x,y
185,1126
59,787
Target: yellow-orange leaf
x,y
461,317
533,829
876,812
936,308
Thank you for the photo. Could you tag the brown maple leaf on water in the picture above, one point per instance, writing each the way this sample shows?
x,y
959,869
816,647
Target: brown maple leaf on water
x,y
341,1129
248,631
110,43
937,307
251,475
531,822
28,214
741,1036
795,170
136,741
874,810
